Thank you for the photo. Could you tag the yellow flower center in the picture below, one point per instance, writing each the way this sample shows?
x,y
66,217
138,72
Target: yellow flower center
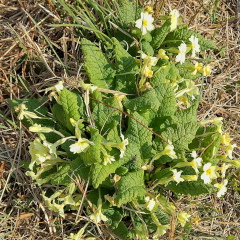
x,y
145,23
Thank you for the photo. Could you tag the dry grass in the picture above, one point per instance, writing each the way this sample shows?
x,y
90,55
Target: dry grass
x,y
28,64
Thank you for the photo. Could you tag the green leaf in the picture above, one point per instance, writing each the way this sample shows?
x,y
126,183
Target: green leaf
x,y
70,170
130,187
99,69
176,37
173,73
159,34
106,117
181,135
192,188
127,66
147,48
70,106
148,100
114,216
93,153
127,11
100,172
186,115
160,75
122,232
167,100
140,141
211,144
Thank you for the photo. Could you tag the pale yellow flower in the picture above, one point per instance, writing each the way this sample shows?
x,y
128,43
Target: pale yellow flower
x,y
108,159
22,112
177,176
206,70
38,128
150,203
174,19
229,150
222,187
122,146
183,217
197,68
145,23
147,72
196,162
98,216
209,173
194,46
182,53
162,54
80,146
169,151
57,87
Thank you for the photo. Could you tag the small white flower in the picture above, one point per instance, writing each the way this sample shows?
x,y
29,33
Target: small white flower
x,y
169,151
223,169
194,46
183,217
98,216
196,162
209,173
174,19
150,203
182,52
107,159
229,150
57,87
80,146
145,23
177,176
222,187
122,146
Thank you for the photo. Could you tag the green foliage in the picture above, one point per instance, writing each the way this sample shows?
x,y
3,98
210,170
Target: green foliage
x,y
193,188
118,149
128,11
160,34
130,187
100,70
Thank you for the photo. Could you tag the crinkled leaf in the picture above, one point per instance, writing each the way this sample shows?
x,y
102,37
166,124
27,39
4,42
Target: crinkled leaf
x,y
160,75
147,48
70,170
100,172
93,153
186,115
130,187
70,106
127,11
106,117
181,135
212,144
148,100
192,188
159,34
99,69
140,141
126,68
167,100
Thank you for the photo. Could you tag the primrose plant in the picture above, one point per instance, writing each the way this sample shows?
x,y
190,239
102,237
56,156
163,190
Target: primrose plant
x,y
112,147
